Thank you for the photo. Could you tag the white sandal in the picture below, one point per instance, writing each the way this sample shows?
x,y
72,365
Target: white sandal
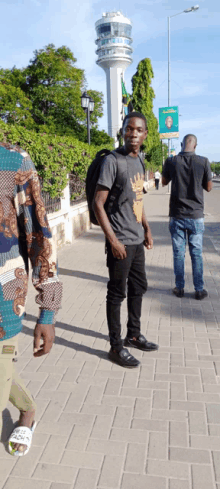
x,y
23,436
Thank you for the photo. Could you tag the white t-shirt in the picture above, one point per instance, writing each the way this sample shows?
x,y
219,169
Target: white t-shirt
x,y
157,175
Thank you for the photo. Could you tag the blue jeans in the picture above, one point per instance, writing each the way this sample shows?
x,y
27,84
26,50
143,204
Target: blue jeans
x,y
193,229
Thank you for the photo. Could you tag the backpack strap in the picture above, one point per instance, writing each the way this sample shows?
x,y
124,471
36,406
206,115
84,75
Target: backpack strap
x,y
118,193
142,162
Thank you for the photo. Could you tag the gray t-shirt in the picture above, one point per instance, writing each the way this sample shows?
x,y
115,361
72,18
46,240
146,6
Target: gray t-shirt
x,y
126,219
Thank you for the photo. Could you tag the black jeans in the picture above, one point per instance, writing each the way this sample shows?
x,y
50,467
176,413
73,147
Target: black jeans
x,y
157,183
130,272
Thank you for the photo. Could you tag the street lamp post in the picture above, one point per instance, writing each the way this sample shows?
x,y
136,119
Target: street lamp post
x,y
87,104
186,11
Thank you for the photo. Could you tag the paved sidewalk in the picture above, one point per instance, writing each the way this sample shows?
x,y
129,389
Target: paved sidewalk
x,y
104,427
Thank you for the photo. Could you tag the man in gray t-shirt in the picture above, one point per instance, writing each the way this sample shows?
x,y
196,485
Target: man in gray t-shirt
x,y
126,220
127,231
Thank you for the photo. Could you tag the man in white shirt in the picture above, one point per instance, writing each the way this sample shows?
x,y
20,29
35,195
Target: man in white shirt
x,y
157,179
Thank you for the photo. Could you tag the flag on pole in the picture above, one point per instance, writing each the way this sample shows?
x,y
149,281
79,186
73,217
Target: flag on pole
x,y
125,97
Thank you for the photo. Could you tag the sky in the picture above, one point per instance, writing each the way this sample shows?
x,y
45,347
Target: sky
x,y
195,60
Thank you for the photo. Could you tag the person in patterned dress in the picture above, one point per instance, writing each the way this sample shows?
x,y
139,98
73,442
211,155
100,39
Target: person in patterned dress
x,y
25,237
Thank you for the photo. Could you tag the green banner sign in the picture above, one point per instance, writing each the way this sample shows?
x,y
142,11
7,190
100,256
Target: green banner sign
x,y
169,122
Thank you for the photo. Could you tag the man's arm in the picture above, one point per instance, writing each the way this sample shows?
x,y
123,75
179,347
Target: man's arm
x,y
101,195
166,173
148,240
38,243
165,181
209,186
207,179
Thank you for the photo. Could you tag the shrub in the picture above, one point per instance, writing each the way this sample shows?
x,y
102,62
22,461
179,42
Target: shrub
x,y
54,156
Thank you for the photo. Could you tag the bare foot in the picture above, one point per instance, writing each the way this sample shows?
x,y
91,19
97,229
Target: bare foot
x,y
26,419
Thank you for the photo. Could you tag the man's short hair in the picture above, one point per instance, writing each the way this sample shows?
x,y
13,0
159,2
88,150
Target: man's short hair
x,y
135,114
188,138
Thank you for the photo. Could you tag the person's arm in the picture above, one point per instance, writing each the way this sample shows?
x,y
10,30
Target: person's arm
x,y
38,245
207,179
166,173
165,181
209,186
148,240
101,195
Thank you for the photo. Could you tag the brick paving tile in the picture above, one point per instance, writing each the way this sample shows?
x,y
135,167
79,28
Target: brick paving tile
x,y
104,427
56,473
179,436
168,469
6,467
57,485
197,423
111,471
136,458
75,458
214,429
15,483
107,447
203,477
158,446
189,455
132,481
86,479
213,413
178,484
216,461
150,425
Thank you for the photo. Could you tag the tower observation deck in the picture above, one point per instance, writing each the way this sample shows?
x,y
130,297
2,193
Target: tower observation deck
x,y
114,55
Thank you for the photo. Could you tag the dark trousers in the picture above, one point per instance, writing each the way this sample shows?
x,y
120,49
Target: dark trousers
x,y
129,272
157,183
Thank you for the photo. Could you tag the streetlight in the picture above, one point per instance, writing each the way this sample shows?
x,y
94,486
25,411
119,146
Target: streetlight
x,y
88,105
186,11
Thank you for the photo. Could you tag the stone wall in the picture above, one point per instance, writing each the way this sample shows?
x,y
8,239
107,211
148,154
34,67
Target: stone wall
x,y
70,221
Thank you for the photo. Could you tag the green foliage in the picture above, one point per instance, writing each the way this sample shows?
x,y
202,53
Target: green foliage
x,y
54,156
142,101
54,85
15,107
46,95
215,167
156,156
98,108
100,138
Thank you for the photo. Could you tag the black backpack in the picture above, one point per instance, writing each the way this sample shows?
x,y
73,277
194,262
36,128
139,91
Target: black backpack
x,y
116,194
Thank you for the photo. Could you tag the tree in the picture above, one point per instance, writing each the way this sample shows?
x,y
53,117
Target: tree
x,y
98,108
142,101
15,107
215,167
52,84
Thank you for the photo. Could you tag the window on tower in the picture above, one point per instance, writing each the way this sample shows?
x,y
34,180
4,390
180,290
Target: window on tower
x,y
104,29
118,29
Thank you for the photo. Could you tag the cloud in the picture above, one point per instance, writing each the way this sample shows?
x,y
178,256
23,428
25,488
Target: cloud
x,y
36,2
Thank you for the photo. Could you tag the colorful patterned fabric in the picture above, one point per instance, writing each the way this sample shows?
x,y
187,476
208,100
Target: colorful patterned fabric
x,y
24,233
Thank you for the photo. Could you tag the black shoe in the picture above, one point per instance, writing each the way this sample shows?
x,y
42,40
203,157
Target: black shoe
x,y
200,294
178,292
123,358
140,343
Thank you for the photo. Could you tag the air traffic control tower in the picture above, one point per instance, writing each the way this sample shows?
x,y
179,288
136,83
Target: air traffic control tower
x,y
114,55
